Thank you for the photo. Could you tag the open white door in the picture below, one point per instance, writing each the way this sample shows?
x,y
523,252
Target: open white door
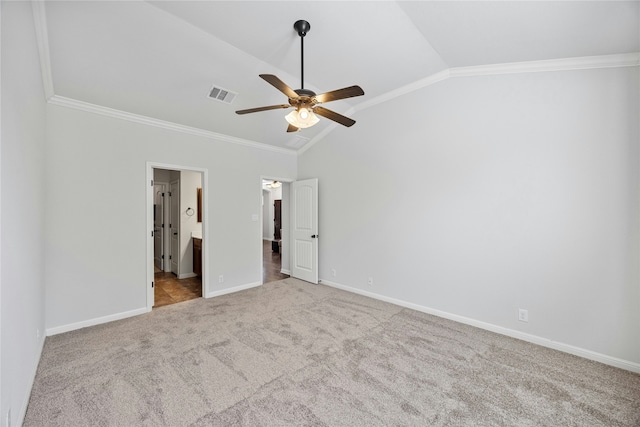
x,y
304,230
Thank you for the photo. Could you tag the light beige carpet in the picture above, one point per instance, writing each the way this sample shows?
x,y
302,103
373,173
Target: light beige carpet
x,y
292,353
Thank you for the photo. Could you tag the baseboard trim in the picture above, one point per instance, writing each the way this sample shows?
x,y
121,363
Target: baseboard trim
x,y
96,321
534,339
186,275
232,290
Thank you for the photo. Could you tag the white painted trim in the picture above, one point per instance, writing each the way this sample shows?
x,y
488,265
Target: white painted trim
x,y
549,65
34,371
261,219
562,64
412,87
205,225
150,121
186,275
232,290
96,321
545,342
42,38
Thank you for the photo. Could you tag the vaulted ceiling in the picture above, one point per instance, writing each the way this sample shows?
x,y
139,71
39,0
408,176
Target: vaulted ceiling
x,y
161,59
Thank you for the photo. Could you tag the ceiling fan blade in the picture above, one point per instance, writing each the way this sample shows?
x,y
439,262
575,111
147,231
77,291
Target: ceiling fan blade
x,y
292,128
332,115
270,107
279,84
334,95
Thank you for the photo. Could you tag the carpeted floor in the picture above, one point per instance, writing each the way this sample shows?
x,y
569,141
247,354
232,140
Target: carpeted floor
x,y
292,353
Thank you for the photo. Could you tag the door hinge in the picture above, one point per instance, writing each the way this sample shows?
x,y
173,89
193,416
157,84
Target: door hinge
x,y
169,256
151,233
152,284
162,225
162,256
152,183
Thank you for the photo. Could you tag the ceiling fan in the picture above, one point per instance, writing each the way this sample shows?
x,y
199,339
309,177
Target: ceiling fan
x,y
306,101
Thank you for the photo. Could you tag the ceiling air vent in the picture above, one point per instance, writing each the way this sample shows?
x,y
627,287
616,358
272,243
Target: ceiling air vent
x,y
222,95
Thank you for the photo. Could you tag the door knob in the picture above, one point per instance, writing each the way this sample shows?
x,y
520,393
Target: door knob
x,y
314,236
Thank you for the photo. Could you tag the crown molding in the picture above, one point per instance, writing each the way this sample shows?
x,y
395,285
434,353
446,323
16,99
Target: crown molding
x,y
549,65
562,64
326,131
42,38
150,121
403,90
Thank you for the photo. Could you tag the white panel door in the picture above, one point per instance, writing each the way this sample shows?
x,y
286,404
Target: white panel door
x,y
304,230
174,224
158,225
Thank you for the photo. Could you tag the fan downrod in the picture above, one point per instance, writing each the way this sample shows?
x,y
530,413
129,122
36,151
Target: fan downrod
x,y
302,27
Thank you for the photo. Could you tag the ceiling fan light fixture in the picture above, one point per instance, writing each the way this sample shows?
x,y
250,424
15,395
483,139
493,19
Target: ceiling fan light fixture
x,y
306,101
302,118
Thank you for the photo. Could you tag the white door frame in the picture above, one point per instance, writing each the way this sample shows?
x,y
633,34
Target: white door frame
x,y
284,241
205,226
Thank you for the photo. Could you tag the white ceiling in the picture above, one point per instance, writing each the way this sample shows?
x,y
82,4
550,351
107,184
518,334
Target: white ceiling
x,y
160,59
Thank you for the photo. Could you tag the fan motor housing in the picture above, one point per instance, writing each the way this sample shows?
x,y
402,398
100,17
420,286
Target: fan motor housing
x,y
305,92
302,27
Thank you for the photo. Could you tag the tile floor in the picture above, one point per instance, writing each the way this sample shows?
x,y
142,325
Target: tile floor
x,y
170,290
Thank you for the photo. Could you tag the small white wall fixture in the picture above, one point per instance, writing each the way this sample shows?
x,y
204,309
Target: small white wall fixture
x,y
149,223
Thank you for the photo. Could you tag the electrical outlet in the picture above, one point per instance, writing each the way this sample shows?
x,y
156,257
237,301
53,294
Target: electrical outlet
x,y
523,315
221,278
333,272
370,281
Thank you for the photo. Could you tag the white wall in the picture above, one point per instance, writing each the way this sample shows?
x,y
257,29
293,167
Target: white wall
x,y
477,196
189,183
22,209
106,272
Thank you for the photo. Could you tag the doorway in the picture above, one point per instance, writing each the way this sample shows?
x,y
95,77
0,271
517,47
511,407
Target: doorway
x,y
178,220
275,246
